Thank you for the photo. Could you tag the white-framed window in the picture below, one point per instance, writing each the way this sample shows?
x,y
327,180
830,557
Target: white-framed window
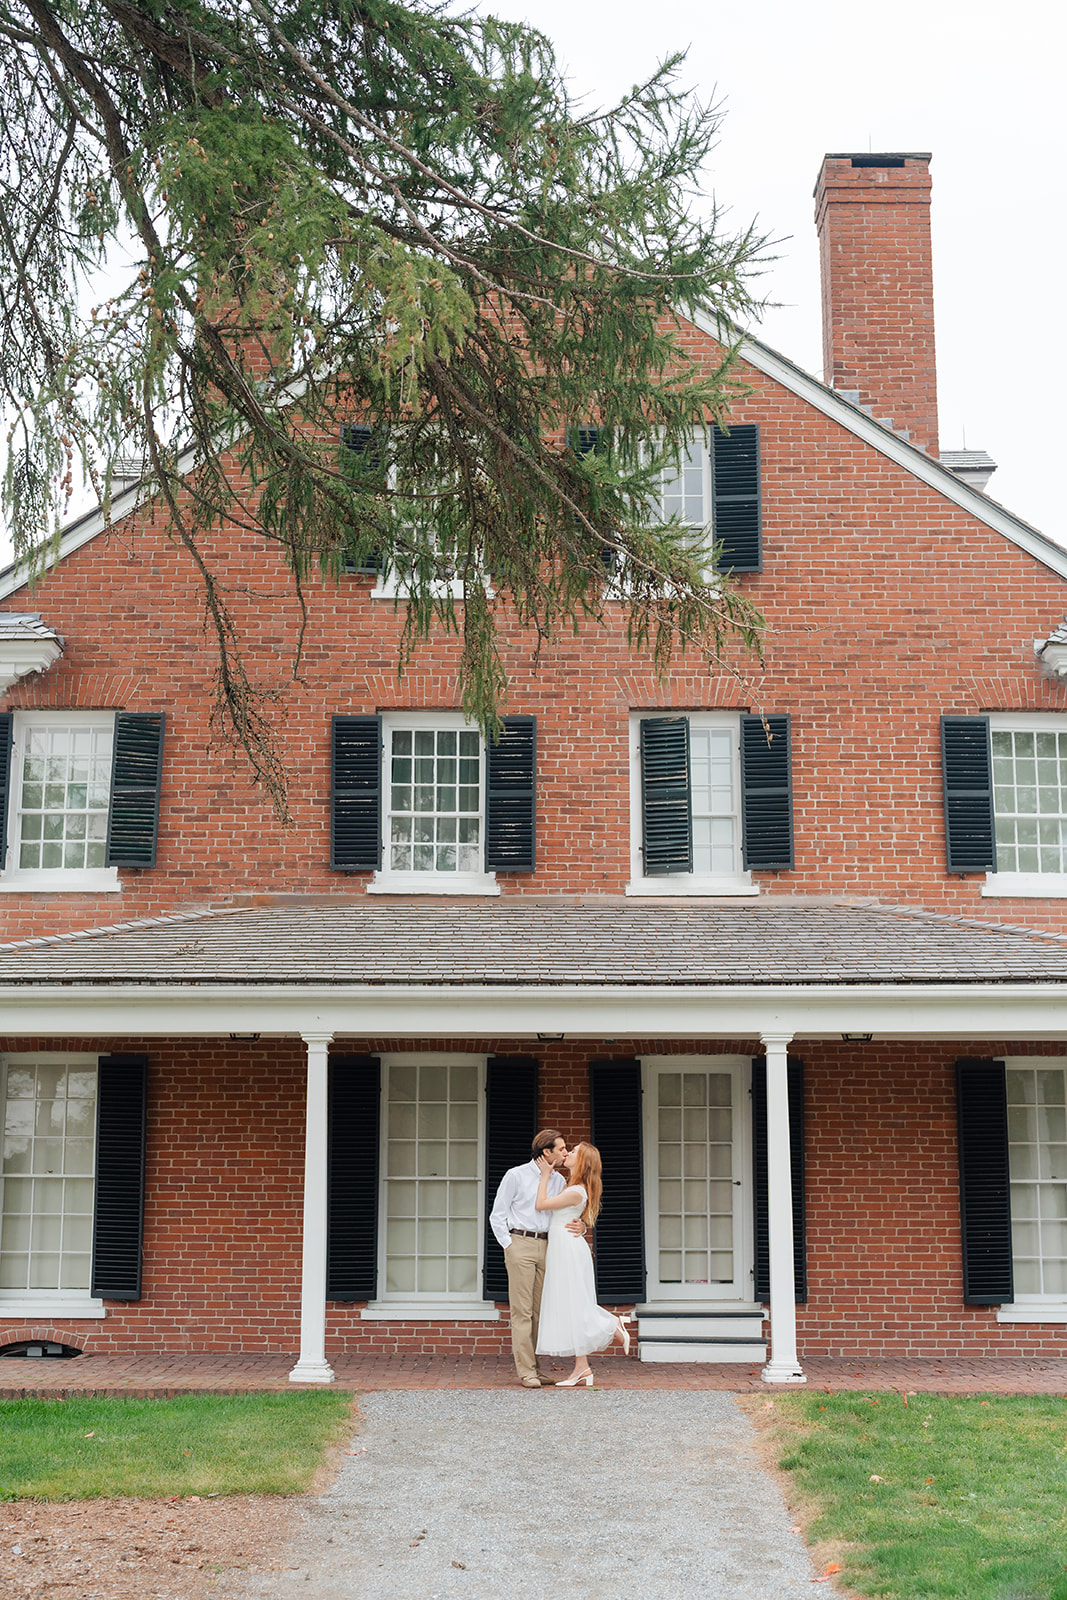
x,y
59,797
433,806
1029,751
432,1203
47,1181
1037,1163
715,797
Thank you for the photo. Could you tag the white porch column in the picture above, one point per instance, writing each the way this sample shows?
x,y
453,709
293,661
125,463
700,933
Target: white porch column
x,y
312,1366
783,1366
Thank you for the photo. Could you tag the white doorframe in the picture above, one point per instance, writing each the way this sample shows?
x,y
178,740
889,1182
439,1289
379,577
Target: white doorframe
x,y
739,1292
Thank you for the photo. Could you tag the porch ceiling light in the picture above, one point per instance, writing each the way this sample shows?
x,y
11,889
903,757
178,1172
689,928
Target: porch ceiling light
x,y
244,1038
546,1037
857,1038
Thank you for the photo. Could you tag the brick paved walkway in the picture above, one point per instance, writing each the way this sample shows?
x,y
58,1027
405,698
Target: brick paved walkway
x,y
162,1375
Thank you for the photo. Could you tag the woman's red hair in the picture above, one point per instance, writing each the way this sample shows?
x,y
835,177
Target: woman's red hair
x,y
587,1170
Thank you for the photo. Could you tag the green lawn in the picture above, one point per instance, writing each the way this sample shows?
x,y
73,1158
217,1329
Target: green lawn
x,y
937,1499
195,1444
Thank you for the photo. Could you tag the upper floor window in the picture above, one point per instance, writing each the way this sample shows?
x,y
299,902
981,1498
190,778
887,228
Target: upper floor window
x,y
1005,781
716,487
711,798
424,800
79,797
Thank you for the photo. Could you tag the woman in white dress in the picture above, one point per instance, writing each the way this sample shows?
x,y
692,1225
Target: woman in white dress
x,y
571,1323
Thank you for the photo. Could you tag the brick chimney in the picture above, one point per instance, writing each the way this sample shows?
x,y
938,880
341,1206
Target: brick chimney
x,y
873,217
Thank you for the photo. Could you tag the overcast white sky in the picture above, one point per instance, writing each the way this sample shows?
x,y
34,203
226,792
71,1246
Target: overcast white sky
x,y
980,85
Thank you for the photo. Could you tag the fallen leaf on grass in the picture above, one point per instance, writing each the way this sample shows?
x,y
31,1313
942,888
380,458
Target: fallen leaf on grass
x,y
874,1478
89,1435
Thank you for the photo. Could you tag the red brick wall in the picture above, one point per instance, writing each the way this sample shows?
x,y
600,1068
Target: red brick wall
x,y
878,289
887,605
223,1216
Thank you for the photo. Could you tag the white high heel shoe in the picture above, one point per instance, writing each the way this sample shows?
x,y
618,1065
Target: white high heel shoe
x,y
585,1377
622,1321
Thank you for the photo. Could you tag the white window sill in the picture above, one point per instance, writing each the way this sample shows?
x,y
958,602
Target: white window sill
x,y
433,883
1034,1311
103,880
430,1311
17,1308
1030,885
672,883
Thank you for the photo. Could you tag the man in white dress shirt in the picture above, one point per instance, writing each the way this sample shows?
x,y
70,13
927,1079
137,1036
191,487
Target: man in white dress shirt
x,y
522,1233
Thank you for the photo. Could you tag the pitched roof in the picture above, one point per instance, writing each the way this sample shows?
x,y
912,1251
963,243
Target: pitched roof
x,y
544,942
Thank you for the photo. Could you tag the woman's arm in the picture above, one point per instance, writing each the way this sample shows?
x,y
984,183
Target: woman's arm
x,y
569,1197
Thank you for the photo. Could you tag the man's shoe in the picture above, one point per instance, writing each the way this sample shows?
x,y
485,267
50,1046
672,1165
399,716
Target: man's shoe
x,y
531,1383
545,1381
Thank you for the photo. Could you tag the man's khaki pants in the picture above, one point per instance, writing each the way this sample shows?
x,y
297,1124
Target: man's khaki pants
x,y
525,1260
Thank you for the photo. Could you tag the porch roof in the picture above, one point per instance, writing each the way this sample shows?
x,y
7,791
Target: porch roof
x,y
543,942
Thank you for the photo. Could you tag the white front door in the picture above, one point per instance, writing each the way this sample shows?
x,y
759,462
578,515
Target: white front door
x,y
698,1199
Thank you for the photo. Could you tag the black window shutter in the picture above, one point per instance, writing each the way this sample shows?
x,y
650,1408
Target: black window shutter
x,y
666,802
118,1211
510,1126
737,522
356,794
6,720
587,441
761,1289
136,774
365,445
615,1096
985,1188
352,1178
510,797
967,769
766,793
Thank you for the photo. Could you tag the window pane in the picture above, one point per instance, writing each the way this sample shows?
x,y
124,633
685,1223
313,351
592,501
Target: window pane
x,y
67,808
49,1116
435,801
1030,800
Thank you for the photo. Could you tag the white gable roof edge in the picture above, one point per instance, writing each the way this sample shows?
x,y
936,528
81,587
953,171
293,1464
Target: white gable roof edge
x,y
87,527
905,455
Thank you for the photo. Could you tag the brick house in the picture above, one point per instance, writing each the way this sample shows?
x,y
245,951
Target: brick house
x,y
807,993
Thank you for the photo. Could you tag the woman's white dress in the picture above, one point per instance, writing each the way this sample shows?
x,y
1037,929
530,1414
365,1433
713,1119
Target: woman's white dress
x,y
571,1322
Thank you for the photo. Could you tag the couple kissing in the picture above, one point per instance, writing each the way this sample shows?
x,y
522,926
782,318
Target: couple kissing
x,y
539,1219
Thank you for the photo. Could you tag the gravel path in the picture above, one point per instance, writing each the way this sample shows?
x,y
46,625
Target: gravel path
x,y
486,1494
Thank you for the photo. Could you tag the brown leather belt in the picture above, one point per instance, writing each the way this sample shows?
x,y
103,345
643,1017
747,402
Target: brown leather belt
x,y
524,1233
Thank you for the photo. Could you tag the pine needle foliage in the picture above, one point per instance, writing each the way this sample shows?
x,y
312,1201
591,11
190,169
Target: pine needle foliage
x,y
311,217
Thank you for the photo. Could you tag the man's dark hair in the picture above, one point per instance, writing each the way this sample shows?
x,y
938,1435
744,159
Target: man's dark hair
x,y
545,1140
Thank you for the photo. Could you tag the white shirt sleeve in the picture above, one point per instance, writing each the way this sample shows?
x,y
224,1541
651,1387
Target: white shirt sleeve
x,y
498,1217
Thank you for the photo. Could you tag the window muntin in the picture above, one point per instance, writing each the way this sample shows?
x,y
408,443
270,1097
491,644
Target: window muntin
x,y
46,1211
1037,1163
686,490
434,821
63,796
432,1137
1030,799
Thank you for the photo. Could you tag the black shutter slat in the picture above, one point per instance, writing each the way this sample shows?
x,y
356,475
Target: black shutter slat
x,y
6,724
766,793
365,445
356,794
352,1178
136,774
510,1125
511,797
666,797
967,771
737,521
615,1096
762,1274
985,1186
118,1209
